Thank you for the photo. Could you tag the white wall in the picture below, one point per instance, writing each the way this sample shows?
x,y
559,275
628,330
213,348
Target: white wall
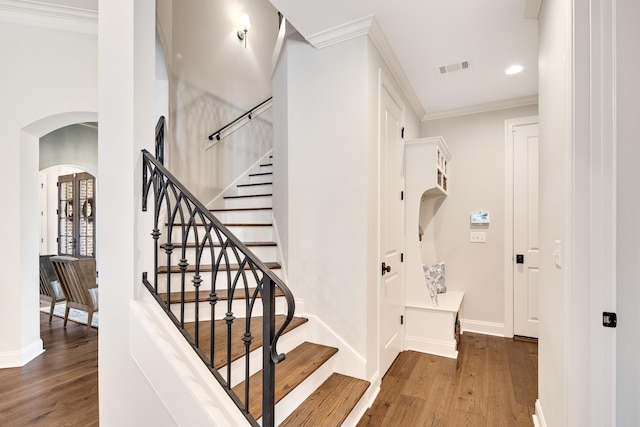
x,y
628,205
476,183
327,151
555,198
45,72
330,149
127,123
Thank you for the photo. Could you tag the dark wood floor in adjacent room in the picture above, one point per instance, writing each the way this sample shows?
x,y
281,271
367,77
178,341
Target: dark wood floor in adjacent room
x,y
493,383
59,387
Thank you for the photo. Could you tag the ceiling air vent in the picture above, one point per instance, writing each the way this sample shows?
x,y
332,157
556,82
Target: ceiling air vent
x,y
455,66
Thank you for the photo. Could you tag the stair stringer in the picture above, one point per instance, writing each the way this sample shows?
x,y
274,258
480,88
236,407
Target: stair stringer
x,y
174,370
230,188
347,361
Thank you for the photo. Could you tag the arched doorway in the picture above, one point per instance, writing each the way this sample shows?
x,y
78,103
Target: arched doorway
x,y
26,311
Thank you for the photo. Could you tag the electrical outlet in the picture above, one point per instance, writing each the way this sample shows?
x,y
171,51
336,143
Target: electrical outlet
x,y
478,237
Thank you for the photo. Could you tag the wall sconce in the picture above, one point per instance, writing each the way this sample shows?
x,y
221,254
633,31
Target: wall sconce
x,y
245,25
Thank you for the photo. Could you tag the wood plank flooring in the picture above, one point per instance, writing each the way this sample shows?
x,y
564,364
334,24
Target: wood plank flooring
x,y
493,383
59,387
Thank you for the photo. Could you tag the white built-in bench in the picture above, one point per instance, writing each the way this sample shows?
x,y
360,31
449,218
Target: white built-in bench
x,y
432,329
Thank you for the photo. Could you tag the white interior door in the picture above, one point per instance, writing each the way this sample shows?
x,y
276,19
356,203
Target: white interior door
x,y
525,230
44,231
392,217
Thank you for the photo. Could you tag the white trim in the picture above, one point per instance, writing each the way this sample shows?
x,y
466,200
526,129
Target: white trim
x,y
509,128
538,416
341,33
430,346
189,392
483,108
369,26
379,40
49,16
14,359
480,327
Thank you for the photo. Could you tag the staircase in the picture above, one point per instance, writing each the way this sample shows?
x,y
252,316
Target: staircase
x,y
308,391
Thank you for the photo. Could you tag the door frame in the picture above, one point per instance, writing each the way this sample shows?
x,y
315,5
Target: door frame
x,y
385,84
509,127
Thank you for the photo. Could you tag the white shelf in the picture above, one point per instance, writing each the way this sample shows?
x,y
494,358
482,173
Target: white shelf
x,y
448,301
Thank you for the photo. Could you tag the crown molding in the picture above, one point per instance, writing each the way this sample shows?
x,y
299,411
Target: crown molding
x,y
49,16
483,108
369,26
341,33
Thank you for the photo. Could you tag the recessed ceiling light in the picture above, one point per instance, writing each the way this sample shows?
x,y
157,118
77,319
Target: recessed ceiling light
x,y
514,69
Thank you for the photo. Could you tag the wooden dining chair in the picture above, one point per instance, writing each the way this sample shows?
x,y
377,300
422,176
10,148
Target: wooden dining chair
x,y
50,289
78,280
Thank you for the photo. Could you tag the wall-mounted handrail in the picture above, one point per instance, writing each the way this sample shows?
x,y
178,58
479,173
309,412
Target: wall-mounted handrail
x,y
189,235
238,122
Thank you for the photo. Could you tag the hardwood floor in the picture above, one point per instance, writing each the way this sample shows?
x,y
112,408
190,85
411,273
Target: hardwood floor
x,y
493,383
59,387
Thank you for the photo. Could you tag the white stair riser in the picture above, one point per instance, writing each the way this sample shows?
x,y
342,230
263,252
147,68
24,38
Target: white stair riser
x,y
286,343
238,309
254,189
291,401
264,253
262,233
249,202
221,280
256,179
265,168
245,217
253,234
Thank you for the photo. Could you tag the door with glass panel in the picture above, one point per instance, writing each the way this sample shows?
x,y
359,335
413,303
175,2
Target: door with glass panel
x,y
76,215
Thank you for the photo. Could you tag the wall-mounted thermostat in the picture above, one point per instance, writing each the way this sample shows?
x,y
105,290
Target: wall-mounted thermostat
x,y
479,218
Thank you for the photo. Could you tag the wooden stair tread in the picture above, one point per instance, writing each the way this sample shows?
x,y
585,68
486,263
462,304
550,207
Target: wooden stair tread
x,y
267,164
255,184
203,296
330,404
261,174
237,332
217,245
247,196
301,362
207,268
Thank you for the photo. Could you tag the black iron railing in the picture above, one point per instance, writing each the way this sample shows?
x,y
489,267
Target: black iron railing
x,y
187,236
236,124
160,127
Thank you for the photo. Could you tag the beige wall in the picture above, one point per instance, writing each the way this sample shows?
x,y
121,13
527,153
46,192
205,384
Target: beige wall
x,y
477,183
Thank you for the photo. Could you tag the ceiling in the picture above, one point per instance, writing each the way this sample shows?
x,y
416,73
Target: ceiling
x,y
426,34
423,35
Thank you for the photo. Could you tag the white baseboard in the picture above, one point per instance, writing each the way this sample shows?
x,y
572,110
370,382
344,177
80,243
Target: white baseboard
x,y
348,360
438,348
486,328
15,359
538,417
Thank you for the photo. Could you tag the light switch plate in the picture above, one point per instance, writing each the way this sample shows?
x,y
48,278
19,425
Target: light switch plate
x,y
557,253
478,237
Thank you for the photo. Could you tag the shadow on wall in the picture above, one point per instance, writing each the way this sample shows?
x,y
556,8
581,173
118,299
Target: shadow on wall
x,y
208,171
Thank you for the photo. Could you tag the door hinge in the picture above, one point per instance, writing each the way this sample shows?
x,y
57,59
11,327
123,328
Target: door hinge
x,y
402,133
401,257
402,195
401,320
609,320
